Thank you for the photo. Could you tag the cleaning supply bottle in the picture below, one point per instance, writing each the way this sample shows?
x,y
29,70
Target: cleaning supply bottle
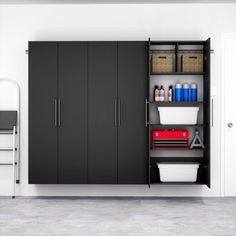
x,y
162,94
178,93
156,94
170,94
186,92
193,92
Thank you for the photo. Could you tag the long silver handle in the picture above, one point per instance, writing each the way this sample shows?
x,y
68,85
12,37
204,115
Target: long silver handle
x,y
119,112
115,112
146,111
59,112
212,112
55,112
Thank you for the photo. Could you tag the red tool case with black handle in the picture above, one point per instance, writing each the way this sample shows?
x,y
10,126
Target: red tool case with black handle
x,y
170,139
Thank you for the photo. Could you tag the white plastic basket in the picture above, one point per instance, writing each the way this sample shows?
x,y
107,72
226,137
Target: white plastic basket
x,y
170,172
178,115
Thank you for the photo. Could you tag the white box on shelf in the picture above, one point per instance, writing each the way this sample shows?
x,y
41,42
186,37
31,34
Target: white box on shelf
x,y
178,115
173,172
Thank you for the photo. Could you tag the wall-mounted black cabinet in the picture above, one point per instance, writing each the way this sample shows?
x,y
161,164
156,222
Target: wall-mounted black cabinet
x,y
91,111
86,112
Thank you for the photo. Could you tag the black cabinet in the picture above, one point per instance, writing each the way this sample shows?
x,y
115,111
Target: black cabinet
x,y
132,133
42,102
102,95
57,112
87,112
72,105
207,112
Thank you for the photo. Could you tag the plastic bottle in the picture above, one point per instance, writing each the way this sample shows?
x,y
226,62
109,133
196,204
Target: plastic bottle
x,y
193,92
186,92
162,94
170,94
178,93
156,94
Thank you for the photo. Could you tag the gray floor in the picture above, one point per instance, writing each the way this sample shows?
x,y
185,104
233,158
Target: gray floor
x,y
118,216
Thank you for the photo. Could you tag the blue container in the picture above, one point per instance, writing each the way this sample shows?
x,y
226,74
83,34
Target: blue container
x,y
193,92
186,92
178,93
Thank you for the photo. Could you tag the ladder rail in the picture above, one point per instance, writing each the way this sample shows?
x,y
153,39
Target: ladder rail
x,y
13,161
17,138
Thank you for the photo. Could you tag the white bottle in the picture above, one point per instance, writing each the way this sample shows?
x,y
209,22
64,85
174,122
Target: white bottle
x,y
162,94
156,93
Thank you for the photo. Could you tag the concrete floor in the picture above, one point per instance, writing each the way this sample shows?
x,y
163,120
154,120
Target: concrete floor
x,y
118,216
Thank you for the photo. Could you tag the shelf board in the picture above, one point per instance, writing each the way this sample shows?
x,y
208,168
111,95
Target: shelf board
x,y
177,159
176,149
176,126
177,183
177,73
198,42
190,50
177,104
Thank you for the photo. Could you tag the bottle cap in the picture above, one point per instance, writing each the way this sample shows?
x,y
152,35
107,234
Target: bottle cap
x,y
178,86
193,85
185,85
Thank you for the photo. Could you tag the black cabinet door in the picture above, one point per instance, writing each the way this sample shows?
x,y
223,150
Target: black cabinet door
x,y
72,106
207,111
132,133
102,131
42,127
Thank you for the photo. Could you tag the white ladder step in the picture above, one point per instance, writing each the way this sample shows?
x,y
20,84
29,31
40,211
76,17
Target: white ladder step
x,y
7,149
7,164
7,132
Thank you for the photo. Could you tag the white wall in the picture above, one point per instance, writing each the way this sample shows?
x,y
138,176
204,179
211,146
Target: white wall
x,y
19,24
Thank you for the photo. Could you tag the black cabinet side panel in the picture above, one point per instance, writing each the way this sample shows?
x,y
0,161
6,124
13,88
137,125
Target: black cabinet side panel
x,y
102,132
132,133
207,111
72,133
42,129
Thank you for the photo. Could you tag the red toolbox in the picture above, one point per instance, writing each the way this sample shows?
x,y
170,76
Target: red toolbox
x,y
170,139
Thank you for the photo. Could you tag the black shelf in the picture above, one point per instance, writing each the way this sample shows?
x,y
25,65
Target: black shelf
x,y
177,159
177,183
177,104
180,51
175,126
199,42
177,73
177,149
162,50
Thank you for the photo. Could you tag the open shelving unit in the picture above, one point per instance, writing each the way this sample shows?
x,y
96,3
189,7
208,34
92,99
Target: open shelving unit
x,y
201,156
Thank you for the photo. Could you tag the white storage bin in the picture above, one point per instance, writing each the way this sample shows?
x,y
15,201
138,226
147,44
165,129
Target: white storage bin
x,y
172,172
178,115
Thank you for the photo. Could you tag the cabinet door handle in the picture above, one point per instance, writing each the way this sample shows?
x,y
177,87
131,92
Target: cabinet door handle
x,y
146,113
59,112
212,112
55,112
119,112
115,112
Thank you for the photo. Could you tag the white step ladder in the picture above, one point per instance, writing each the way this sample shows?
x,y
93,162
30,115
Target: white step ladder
x,y
10,134
14,162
